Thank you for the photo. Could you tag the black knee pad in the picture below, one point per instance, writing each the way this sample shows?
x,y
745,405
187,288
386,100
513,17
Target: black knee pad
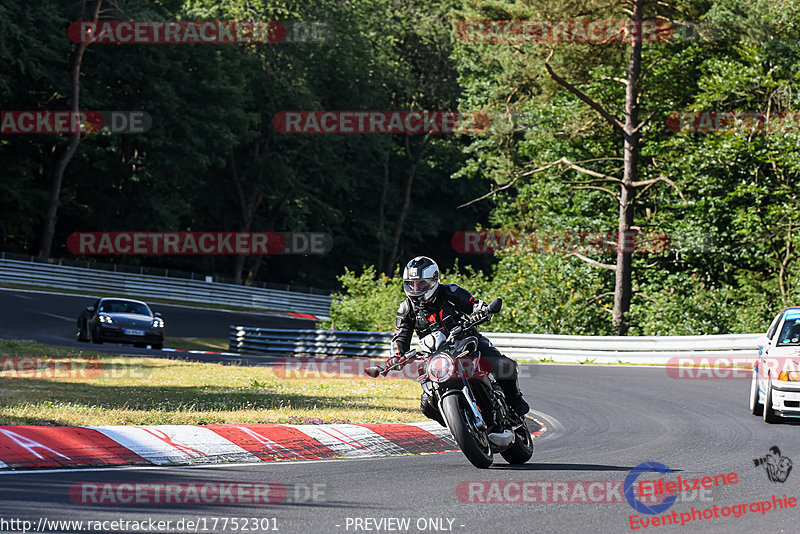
x,y
506,369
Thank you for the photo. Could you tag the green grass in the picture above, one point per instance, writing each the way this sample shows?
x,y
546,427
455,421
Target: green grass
x,y
197,343
120,390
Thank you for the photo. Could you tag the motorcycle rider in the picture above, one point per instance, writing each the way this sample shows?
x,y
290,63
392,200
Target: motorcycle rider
x,y
434,306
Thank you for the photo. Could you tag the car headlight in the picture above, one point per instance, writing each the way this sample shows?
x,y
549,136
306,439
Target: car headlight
x,y
106,319
789,376
158,323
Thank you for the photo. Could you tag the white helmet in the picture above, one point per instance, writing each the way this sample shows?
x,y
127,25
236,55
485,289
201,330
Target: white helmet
x,y
421,279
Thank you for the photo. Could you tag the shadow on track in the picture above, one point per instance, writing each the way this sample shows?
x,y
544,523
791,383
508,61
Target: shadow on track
x,y
563,467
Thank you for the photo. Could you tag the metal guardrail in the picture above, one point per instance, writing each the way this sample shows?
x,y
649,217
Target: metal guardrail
x,y
147,286
278,341
634,349
158,271
601,349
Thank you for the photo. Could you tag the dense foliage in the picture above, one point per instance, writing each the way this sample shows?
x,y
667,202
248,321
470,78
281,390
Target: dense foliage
x,y
213,161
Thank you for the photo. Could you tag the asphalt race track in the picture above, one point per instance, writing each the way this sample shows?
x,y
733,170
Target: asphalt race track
x,y
602,422
51,319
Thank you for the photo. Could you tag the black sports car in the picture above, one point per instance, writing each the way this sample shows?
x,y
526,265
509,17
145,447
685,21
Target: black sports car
x,y
121,321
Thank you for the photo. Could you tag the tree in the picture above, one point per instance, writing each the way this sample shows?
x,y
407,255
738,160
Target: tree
x,y
75,137
595,67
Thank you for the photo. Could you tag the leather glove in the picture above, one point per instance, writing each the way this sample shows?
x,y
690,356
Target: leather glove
x,y
391,362
480,313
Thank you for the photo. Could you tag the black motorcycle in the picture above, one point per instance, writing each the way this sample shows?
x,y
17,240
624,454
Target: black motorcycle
x,y
452,373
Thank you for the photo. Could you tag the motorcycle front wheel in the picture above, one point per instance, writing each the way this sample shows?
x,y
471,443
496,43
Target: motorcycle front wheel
x,y
472,441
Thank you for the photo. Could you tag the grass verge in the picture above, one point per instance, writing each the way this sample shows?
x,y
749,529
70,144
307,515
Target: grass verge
x,y
197,343
45,385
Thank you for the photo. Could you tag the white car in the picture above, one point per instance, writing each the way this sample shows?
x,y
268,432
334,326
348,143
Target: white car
x,y
775,385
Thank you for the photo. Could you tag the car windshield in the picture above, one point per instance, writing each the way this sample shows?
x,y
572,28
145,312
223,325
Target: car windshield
x,y
790,332
124,306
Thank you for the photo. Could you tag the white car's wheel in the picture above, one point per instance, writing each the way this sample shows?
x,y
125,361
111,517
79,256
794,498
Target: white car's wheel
x,y
769,413
82,335
756,408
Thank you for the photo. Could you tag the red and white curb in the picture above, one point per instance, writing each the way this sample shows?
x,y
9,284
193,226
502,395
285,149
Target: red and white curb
x,y
27,447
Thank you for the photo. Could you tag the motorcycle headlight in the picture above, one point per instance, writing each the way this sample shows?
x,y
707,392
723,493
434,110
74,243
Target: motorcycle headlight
x,y
106,319
440,368
158,323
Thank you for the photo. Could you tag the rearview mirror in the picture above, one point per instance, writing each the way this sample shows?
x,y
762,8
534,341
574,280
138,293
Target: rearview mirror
x,y
156,314
495,306
372,371
90,308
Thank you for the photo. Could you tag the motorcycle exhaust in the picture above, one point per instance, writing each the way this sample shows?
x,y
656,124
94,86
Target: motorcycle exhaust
x,y
502,440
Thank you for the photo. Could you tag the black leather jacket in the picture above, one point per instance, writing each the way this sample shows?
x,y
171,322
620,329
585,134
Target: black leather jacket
x,y
448,306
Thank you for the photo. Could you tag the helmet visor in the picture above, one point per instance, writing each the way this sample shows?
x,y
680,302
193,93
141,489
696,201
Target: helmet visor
x,y
416,288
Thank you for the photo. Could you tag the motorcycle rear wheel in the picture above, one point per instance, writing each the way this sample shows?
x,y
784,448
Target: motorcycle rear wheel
x,y
522,449
473,442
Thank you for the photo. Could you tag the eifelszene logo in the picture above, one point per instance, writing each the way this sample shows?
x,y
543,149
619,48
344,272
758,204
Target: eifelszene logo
x,y
629,488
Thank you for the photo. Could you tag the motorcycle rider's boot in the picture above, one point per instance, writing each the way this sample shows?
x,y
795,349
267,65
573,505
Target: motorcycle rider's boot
x,y
429,410
514,396
519,405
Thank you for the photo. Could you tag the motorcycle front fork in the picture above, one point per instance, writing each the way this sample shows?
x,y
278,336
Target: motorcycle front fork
x,y
469,397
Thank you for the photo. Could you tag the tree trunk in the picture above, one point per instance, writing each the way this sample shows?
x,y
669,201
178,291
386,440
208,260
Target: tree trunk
x,y
49,229
382,213
248,204
398,230
624,269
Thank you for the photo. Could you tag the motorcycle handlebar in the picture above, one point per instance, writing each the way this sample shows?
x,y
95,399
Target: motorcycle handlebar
x,y
376,370
411,355
493,308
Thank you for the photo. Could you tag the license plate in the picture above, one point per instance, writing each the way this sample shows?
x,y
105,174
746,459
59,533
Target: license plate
x,y
134,332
